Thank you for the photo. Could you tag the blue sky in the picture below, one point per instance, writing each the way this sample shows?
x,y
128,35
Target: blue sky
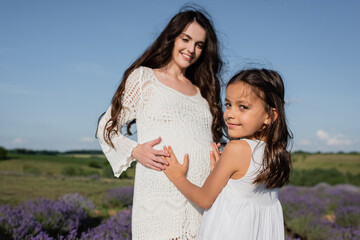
x,y
61,61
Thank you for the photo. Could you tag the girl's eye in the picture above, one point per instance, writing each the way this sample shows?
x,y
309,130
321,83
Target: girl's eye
x,y
243,107
227,105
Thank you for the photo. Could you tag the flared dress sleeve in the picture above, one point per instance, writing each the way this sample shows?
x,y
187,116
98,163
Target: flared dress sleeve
x,y
119,157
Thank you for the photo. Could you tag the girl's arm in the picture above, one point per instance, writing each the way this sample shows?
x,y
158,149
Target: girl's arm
x,y
234,159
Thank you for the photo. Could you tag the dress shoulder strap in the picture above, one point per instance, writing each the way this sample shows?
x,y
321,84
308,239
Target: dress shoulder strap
x,y
254,144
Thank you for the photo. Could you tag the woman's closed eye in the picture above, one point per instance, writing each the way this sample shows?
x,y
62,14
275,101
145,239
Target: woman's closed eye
x,y
200,45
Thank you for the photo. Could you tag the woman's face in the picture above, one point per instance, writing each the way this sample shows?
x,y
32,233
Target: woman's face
x,y
188,45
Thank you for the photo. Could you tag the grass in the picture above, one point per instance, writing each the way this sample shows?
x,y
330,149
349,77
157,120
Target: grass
x,y
25,176
18,188
342,162
62,158
50,168
19,181
53,165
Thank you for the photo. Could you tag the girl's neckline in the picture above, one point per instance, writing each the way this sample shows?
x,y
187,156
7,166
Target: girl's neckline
x,y
255,140
172,89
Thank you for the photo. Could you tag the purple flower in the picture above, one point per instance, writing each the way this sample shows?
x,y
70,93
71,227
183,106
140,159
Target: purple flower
x,y
42,236
116,227
322,211
348,216
17,223
44,219
119,197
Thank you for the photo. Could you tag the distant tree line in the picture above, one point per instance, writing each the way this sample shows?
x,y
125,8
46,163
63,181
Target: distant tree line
x,y
3,153
318,152
33,152
51,153
84,152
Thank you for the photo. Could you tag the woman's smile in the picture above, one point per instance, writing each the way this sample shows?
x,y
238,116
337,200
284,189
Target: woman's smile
x,y
187,57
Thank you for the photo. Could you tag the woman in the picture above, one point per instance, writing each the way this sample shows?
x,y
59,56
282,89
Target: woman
x,y
173,92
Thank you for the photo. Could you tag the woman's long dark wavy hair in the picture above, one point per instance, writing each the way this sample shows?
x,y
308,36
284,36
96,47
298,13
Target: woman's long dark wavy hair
x,y
269,86
204,73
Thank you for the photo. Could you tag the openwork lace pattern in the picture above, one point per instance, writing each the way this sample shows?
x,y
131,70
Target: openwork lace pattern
x,y
160,211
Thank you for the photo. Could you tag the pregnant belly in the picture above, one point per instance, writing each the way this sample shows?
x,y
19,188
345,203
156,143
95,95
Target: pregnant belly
x,y
156,183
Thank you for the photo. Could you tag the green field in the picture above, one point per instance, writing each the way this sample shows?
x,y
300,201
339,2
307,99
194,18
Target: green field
x,y
342,162
24,176
17,188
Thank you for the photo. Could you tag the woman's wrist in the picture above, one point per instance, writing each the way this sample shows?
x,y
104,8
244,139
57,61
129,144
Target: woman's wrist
x,y
133,152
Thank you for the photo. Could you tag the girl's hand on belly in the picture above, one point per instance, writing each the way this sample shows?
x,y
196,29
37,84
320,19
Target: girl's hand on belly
x,y
175,170
149,157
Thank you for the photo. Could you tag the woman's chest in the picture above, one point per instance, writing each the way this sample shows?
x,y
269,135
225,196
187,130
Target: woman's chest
x,y
166,105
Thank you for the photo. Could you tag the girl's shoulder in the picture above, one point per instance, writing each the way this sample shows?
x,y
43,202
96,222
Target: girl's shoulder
x,y
248,143
238,149
237,153
238,144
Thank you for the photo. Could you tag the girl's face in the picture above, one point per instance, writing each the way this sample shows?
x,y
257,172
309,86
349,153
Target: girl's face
x,y
188,45
245,112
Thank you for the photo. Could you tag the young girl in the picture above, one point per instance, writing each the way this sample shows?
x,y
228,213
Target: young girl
x,y
241,193
172,90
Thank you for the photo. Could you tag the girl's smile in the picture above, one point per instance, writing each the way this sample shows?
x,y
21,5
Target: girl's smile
x,y
231,125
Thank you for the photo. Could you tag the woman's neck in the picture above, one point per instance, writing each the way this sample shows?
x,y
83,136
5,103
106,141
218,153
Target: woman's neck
x,y
174,70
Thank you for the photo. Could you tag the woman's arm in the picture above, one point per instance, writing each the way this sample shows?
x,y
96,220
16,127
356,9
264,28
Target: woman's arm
x,y
125,149
234,159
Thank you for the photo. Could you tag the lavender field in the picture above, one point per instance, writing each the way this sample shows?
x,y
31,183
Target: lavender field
x,y
70,217
67,196
319,212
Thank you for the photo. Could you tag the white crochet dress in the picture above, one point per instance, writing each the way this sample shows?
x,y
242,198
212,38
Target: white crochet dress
x,y
160,211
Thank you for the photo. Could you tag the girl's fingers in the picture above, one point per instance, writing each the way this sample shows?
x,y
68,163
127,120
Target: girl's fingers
x,y
170,151
212,157
217,146
166,149
172,154
212,161
167,158
186,161
215,151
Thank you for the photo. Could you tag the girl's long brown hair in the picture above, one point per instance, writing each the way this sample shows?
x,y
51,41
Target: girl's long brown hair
x,y
204,73
269,86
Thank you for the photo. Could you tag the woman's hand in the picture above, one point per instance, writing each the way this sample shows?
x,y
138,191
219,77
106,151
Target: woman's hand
x,y
214,155
148,156
175,170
